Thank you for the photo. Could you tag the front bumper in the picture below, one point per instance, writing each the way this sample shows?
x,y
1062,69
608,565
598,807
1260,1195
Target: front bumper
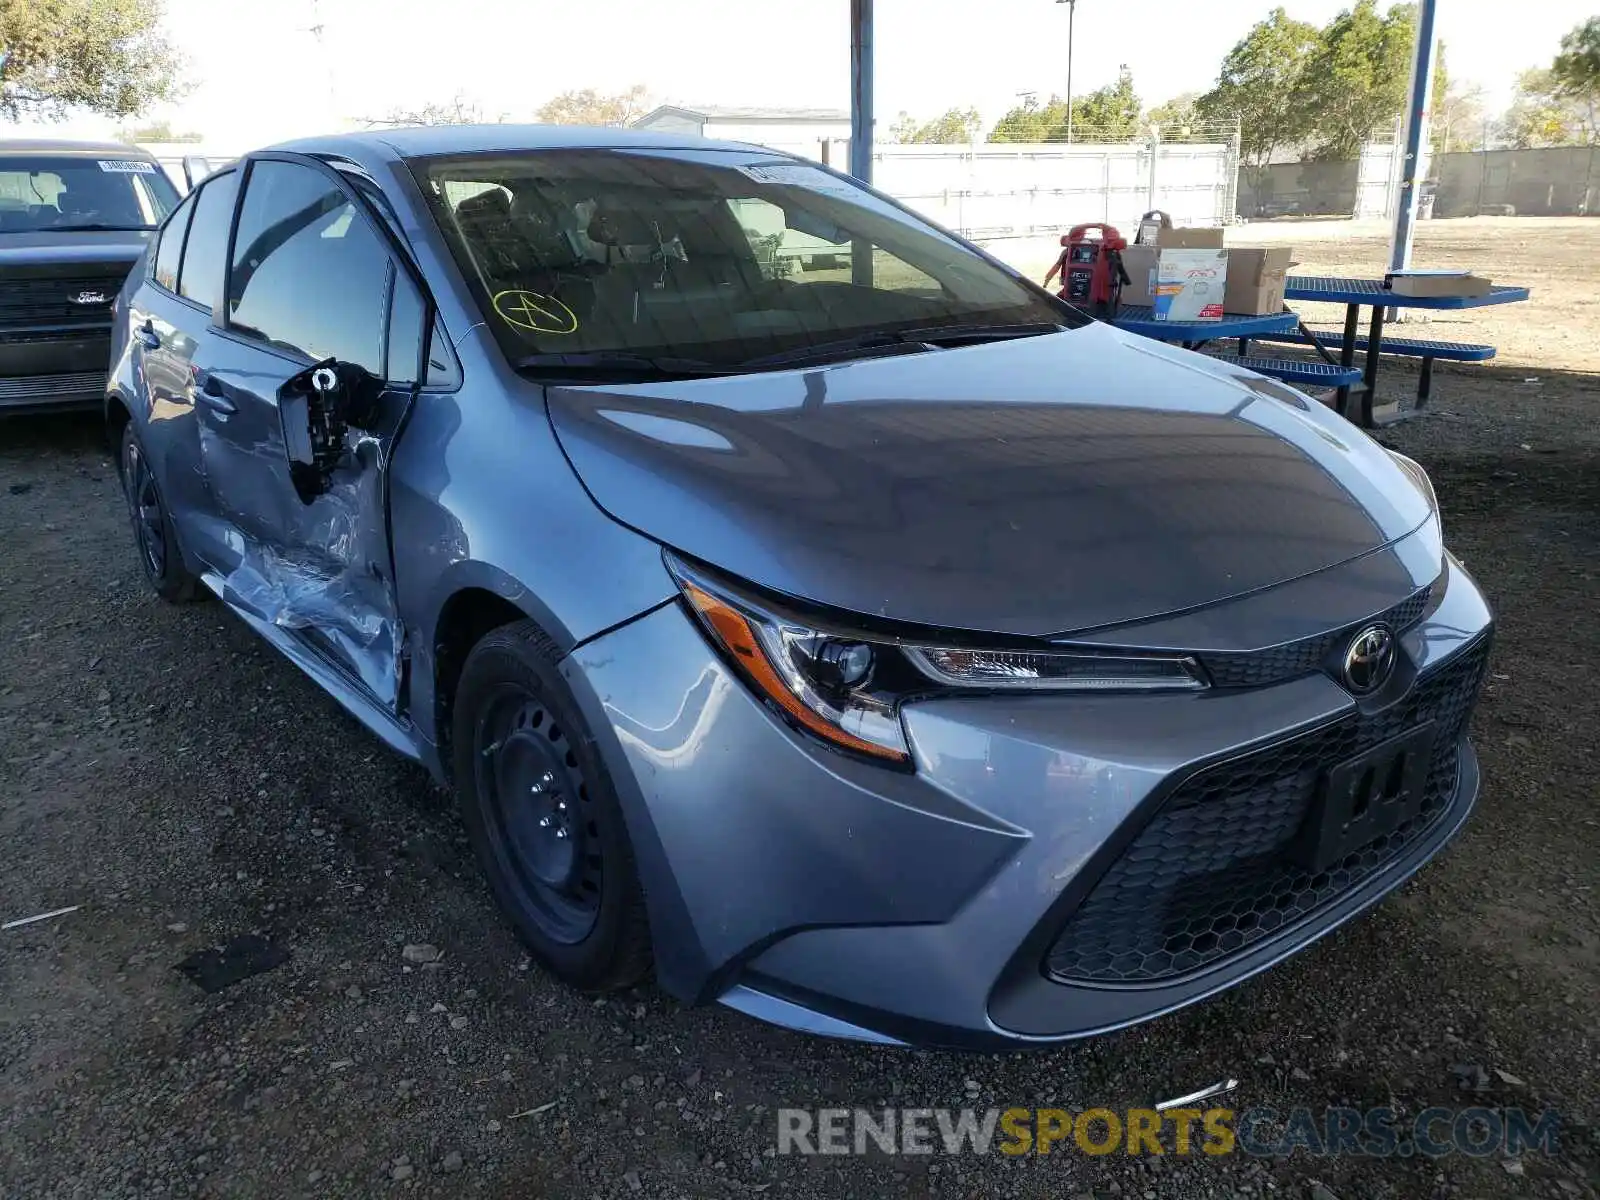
x,y
53,368
846,898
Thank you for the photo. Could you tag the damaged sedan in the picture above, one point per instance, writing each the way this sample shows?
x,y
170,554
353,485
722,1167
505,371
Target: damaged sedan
x,y
802,606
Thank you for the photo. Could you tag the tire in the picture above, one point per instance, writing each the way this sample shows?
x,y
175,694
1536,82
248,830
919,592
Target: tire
x,y
543,816
153,536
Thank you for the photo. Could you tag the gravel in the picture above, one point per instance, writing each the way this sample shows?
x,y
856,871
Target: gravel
x,y
166,771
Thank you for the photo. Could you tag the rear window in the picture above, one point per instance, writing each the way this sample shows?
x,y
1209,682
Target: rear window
x,y
40,192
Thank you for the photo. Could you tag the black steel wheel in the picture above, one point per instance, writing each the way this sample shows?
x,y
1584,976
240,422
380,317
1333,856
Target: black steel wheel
x,y
153,537
533,790
542,814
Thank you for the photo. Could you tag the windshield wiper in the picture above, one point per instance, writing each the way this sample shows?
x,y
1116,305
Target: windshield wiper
x,y
964,335
879,342
610,363
96,227
901,341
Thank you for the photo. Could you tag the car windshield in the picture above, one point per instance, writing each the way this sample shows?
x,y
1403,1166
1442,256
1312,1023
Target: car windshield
x,y
40,191
583,258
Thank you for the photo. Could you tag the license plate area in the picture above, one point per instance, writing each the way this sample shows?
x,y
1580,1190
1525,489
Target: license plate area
x,y
1368,796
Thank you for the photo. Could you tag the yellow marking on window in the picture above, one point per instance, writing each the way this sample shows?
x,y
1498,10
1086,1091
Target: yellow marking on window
x,y
534,312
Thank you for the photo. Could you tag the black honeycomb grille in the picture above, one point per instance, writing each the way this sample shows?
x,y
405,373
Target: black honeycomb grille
x,y
1215,871
1260,667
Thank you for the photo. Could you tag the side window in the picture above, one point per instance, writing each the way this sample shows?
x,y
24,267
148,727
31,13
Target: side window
x,y
169,251
405,341
206,248
405,331
309,274
444,368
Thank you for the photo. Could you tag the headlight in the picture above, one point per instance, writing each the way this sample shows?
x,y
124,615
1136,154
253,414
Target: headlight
x,y
1418,476
1055,672
847,688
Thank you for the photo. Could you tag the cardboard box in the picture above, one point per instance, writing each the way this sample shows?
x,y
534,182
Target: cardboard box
x,y
1190,284
1140,259
1256,279
1157,274
1140,264
1437,283
1199,237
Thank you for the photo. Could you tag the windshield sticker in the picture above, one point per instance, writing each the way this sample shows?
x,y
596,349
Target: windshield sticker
x,y
127,166
535,312
813,179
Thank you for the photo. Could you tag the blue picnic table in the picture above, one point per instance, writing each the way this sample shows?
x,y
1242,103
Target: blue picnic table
x,y
1356,293
1141,320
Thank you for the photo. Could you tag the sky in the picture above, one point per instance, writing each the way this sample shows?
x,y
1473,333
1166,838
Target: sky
x,y
257,73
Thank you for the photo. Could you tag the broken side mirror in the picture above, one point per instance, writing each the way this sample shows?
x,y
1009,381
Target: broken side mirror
x,y
318,407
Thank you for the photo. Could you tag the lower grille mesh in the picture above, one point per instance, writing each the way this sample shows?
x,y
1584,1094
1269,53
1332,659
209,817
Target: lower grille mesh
x,y
1215,871
47,387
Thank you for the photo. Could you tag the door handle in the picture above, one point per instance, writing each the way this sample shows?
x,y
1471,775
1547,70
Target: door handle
x,y
214,398
148,337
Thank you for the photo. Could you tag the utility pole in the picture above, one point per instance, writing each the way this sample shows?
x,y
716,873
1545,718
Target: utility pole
x,y
861,90
1413,146
1072,12
861,125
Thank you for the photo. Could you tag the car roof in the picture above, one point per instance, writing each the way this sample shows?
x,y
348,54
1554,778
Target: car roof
x,y
429,140
63,146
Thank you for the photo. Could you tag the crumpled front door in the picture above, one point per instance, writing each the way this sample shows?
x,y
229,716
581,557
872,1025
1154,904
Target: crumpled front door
x,y
319,567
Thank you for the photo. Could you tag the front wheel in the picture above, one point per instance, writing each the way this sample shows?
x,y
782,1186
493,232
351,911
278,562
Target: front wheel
x,y
152,527
542,814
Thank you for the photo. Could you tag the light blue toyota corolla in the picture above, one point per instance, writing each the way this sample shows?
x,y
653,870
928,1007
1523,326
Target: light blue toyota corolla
x,y
799,602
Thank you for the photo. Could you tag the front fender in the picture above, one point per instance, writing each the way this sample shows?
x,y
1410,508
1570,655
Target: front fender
x,y
490,503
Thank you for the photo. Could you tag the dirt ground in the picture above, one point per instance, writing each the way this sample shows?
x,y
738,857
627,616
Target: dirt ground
x,y
169,774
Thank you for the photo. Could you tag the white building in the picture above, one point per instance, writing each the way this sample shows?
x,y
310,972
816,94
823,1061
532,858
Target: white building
x,y
822,134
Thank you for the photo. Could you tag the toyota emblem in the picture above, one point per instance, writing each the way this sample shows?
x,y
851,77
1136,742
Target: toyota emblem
x,y
1369,659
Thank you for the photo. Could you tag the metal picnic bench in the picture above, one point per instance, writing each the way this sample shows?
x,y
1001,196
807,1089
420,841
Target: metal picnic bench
x,y
1279,326
1343,375
1356,293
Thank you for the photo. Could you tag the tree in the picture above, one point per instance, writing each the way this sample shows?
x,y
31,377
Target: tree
x,y
1175,119
1258,80
1456,109
589,107
1575,74
101,56
1540,115
155,131
1029,122
1355,81
1107,114
458,110
957,126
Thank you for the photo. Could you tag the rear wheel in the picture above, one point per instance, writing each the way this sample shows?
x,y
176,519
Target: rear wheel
x,y
542,814
152,528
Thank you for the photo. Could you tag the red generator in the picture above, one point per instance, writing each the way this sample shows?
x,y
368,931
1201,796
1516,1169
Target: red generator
x,y
1091,269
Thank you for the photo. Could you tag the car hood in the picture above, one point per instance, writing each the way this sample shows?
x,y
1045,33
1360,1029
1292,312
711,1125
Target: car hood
x,y
1041,486
68,249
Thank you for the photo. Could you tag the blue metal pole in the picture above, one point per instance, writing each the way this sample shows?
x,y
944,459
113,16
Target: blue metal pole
x,y
1405,215
861,89
861,124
